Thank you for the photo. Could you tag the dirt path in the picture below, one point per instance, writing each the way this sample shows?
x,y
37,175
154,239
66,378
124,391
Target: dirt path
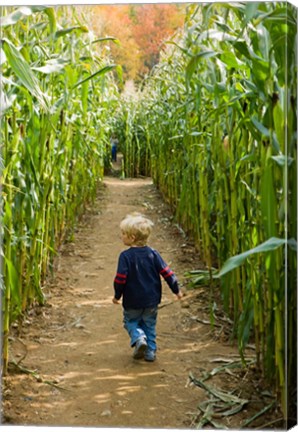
x,y
77,342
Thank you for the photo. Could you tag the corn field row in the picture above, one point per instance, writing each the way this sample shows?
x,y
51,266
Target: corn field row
x,y
56,105
215,126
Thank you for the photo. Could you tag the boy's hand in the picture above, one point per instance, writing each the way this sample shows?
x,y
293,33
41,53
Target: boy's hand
x,y
116,301
179,295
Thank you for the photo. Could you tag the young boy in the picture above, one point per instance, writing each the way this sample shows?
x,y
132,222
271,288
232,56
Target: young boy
x,y
138,283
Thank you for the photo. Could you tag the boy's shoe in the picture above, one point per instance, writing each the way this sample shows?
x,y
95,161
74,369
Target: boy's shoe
x,y
149,355
140,348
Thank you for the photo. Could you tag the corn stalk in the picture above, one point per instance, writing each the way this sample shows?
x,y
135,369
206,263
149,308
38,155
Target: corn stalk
x,y
220,113
55,91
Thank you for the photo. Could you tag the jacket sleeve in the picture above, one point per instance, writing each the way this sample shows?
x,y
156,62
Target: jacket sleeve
x,y
168,274
121,277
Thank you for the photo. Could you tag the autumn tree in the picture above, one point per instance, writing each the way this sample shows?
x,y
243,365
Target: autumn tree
x,y
115,20
141,30
153,25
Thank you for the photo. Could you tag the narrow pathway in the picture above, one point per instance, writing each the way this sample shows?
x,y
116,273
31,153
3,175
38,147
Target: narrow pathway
x,y
77,342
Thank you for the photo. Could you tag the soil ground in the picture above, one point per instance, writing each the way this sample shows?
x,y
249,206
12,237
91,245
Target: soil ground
x,y
75,365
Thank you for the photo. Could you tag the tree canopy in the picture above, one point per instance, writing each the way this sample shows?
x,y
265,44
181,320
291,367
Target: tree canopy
x,y
141,30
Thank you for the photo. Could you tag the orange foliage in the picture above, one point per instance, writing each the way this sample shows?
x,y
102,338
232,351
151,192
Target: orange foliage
x,y
155,24
141,30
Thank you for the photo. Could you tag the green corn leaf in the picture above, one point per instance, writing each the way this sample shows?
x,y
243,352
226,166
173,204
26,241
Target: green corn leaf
x,y
64,32
283,160
51,66
184,50
14,17
251,9
195,60
119,72
84,96
13,280
106,39
229,58
100,72
175,137
217,35
269,245
50,11
242,48
23,71
6,102
19,14
277,15
261,128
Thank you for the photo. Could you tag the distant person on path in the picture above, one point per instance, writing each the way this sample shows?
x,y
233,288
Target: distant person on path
x,y
138,282
114,144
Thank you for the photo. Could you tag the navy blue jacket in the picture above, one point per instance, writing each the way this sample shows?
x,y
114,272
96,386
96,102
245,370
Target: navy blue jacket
x,y
138,278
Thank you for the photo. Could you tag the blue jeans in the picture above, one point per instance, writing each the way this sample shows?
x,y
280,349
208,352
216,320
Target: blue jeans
x,y
114,153
141,323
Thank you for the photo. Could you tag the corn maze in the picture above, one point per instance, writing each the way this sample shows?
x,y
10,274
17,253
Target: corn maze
x,y
214,124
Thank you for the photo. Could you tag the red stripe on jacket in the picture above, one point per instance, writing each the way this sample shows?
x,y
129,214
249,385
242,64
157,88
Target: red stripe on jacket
x,y
166,272
120,281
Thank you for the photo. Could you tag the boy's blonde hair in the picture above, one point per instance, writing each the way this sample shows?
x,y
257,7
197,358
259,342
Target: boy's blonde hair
x,y
137,225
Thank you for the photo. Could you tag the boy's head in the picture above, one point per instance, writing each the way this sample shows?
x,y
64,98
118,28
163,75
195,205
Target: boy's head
x,y
136,229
